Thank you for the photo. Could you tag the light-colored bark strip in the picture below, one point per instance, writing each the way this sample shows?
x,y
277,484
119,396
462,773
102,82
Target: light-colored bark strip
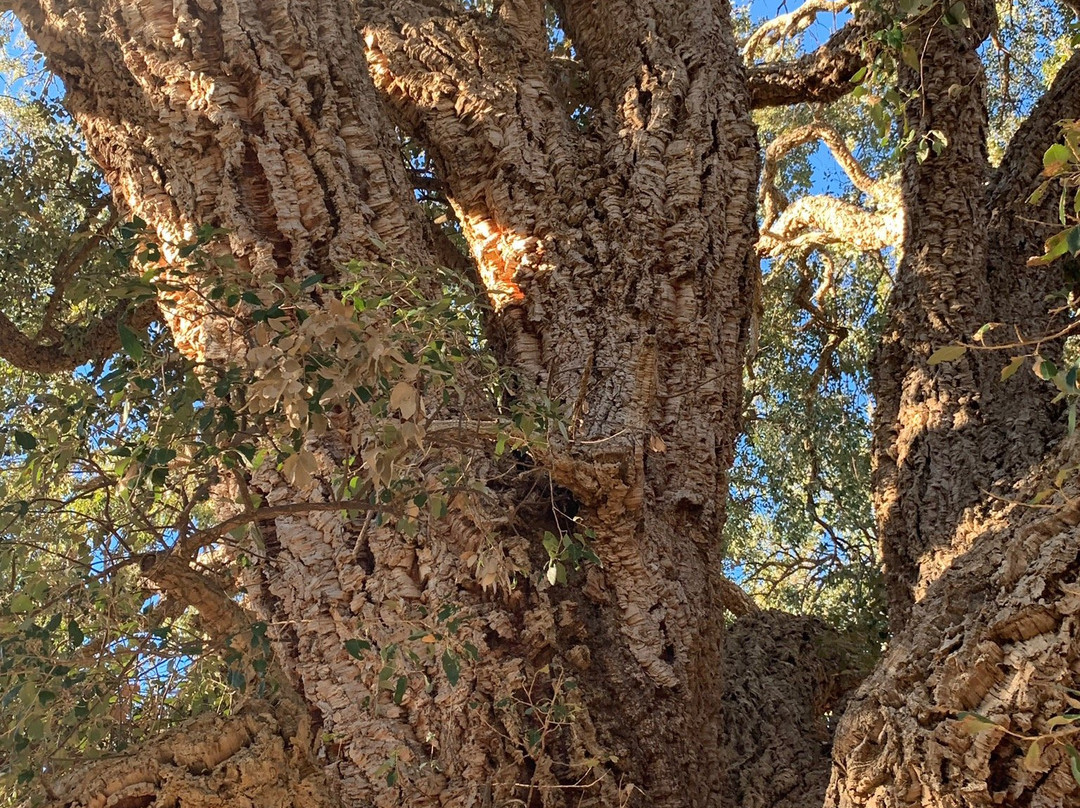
x,y
780,29
819,221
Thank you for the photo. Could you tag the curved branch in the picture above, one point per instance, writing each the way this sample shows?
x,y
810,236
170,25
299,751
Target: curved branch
x,y
818,221
259,751
822,76
882,192
78,345
777,30
735,599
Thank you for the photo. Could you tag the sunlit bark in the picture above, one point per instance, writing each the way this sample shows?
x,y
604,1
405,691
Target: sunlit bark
x,y
616,245
618,258
982,587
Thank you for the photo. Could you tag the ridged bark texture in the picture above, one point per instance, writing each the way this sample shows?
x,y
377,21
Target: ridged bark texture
x,y
982,592
617,252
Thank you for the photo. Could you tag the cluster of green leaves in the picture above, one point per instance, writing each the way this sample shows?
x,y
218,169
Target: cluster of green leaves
x,y
435,637
119,459
90,660
800,534
88,663
567,550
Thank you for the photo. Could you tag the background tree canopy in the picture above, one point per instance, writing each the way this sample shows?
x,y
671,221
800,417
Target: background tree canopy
x,y
400,416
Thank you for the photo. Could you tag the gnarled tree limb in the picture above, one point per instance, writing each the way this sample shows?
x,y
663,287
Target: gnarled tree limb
x,y
778,29
818,221
818,77
79,345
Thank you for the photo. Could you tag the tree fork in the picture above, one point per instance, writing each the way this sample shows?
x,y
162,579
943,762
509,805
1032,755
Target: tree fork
x,y
633,256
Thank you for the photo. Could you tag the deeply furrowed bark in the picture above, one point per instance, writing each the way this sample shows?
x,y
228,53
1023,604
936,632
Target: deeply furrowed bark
x,y
946,434
982,592
615,242
617,261
618,256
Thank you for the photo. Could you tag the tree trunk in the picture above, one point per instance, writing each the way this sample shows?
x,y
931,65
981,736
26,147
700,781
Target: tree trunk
x,y
617,254
610,216
982,592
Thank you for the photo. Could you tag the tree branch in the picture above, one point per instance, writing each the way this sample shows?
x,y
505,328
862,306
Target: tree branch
x,y
779,29
68,263
78,345
1021,168
817,221
822,76
260,751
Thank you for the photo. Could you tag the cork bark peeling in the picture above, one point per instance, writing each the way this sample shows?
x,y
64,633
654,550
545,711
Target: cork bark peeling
x,y
618,255
946,434
995,634
615,252
253,758
981,590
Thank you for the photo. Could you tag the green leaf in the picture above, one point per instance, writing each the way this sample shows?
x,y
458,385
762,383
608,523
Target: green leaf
x,y
34,728
130,341
1072,240
399,690
551,544
1055,247
452,667
947,353
1056,158
356,647
958,15
21,604
1045,369
974,724
1062,720
1033,757
1074,761
1010,369
24,440
1038,194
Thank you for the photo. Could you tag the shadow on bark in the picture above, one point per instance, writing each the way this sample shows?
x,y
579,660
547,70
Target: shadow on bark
x,y
785,678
